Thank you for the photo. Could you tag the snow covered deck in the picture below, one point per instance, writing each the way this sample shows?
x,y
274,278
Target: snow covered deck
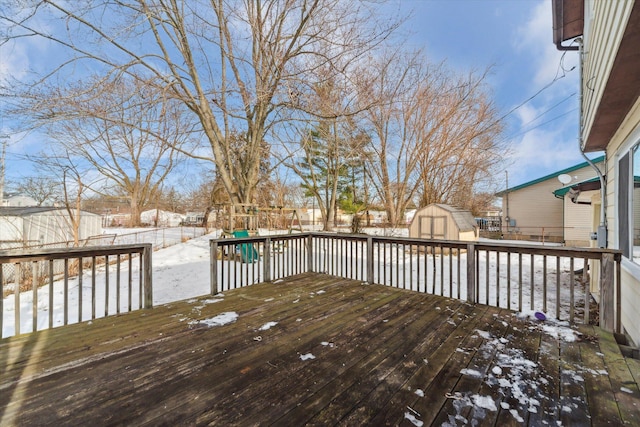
x,y
316,349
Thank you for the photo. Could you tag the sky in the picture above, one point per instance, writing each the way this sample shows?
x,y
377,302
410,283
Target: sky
x,y
514,38
534,85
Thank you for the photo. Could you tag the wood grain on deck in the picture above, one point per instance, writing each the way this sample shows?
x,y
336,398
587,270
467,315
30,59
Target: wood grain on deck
x,y
381,356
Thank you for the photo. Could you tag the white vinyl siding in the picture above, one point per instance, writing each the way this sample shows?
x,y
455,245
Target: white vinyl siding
x,y
578,220
606,27
536,210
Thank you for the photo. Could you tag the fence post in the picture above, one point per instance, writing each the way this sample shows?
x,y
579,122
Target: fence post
x,y
213,266
148,277
370,260
607,294
310,253
266,260
471,273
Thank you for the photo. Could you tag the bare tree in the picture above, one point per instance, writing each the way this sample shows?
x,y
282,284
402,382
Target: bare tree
x,y
42,189
128,131
73,178
401,88
463,149
233,64
326,147
434,133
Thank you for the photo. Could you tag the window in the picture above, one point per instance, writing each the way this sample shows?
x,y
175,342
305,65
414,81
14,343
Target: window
x,y
629,204
635,203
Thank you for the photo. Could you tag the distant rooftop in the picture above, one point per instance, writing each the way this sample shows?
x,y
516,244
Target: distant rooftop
x,y
551,176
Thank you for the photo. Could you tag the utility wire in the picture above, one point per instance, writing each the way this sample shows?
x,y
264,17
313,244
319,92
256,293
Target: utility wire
x,y
545,87
543,123
523,129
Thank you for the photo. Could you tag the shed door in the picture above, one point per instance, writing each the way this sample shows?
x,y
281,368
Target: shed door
x,y
433,227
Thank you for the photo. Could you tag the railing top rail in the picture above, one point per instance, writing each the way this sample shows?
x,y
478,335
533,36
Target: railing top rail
x,y
524,248
590,253
14,256
253,239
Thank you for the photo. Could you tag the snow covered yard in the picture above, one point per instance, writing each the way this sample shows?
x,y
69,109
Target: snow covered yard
x,y
182,271
321,350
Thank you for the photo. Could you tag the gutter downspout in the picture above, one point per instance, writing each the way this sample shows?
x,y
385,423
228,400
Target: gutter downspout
x,y
602,228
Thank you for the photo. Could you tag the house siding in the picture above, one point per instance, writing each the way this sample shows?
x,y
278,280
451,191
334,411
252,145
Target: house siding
x,y
605,30
578,221
606,22
627,135
540,215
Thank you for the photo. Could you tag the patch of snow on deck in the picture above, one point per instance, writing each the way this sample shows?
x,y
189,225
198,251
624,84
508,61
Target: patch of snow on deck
x,y
553,327
471,373
485,402
220,319
412,418
268,325
307,356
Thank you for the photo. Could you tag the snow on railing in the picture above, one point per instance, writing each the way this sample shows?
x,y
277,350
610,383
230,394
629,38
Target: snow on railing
x,y
71,285
554,281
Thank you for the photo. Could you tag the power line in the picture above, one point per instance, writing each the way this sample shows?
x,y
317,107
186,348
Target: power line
x,y
545,87
544,123
523,126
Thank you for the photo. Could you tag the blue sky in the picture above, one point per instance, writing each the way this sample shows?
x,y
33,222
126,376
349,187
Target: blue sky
x,y
514,37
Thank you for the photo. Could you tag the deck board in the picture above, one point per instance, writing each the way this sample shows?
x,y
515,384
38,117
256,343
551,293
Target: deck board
x,y
382,356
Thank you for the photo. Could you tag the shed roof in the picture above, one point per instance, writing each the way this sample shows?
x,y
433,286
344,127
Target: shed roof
x,y
550,176
30,210
463,218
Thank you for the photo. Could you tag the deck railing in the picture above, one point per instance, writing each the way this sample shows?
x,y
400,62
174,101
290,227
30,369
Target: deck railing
x,y
556,281
241,262
72,285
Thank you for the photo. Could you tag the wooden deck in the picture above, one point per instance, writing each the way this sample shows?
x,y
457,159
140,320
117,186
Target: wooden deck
x,y
341,353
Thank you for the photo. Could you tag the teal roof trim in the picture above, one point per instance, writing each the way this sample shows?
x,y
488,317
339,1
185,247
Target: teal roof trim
x,y
561,192
550,176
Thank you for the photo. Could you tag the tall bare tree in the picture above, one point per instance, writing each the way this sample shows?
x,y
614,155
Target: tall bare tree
x,y
400,87
434,132
127,130
232,63
326,147
463,150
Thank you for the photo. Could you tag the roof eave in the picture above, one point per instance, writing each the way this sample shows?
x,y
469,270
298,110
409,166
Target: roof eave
x,y
568,22
622,88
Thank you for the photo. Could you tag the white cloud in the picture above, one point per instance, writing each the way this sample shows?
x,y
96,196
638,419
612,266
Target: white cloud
x,y
535,37
540,153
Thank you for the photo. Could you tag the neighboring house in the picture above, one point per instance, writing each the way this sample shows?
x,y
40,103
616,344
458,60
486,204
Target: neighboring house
x,y
160,218
609,45
15,199
34,226
531,211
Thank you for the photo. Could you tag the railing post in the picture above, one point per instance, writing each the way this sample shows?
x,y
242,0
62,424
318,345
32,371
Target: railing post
x,y
607,294
266,260
213,266
310,253
148,277
370,260
471,273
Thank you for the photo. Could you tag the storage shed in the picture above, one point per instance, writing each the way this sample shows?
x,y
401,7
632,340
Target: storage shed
x,y
30,226
444,222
